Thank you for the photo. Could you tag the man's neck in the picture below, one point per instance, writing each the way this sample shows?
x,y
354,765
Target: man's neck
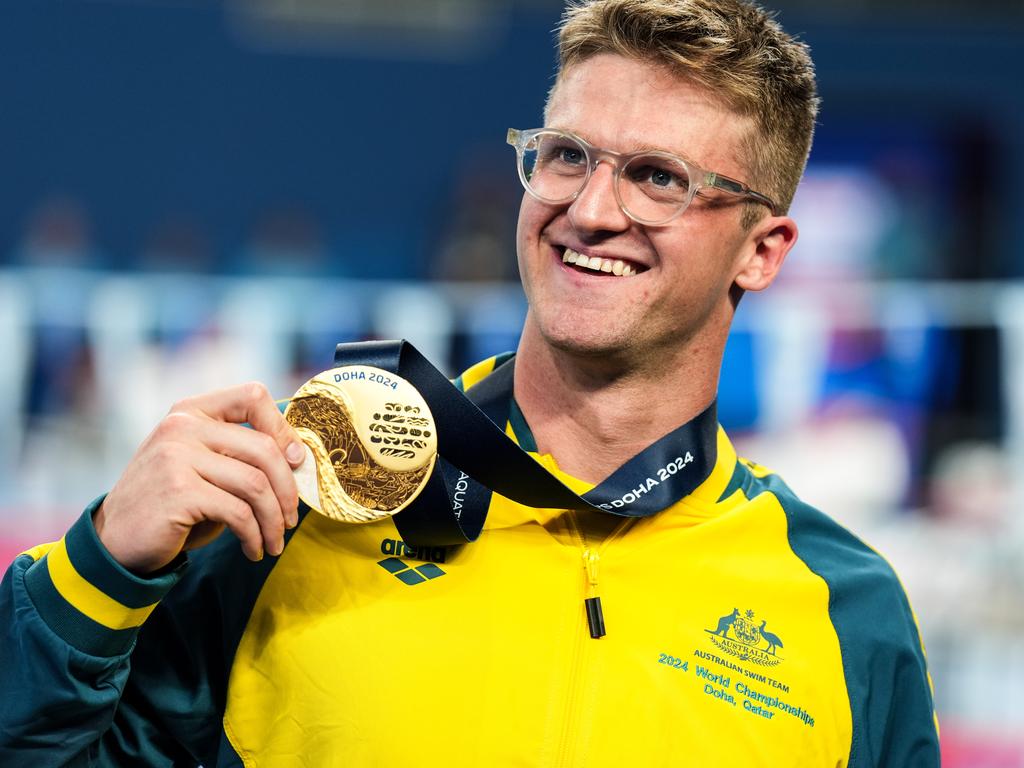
x,y
594,414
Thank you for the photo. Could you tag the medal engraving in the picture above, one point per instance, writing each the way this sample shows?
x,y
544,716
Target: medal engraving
x,y
370,443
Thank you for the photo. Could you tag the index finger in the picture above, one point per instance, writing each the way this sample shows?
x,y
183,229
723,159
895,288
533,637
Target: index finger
x,y
251,403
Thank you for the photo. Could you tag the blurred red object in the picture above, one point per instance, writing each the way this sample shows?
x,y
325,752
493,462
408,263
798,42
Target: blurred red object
x,y
10,549
966,747
18,534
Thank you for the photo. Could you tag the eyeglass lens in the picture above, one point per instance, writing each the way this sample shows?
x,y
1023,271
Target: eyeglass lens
x,y
653,187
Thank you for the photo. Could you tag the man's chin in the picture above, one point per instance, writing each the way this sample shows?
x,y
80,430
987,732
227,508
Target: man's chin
x,y
588,345
583,337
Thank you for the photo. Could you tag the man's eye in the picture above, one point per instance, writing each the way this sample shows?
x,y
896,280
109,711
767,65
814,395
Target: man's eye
x,y
661,178
570,155
654,176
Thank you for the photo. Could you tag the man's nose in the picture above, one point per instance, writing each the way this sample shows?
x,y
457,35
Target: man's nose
x,y
597,209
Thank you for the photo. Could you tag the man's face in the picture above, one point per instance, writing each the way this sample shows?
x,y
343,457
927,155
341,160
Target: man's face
x,y
684,269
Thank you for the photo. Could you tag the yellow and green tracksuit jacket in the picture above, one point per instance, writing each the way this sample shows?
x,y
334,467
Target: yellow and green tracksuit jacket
x,y
744,628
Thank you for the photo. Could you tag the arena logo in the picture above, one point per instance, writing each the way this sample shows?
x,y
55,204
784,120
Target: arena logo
x,y
401,549
739,635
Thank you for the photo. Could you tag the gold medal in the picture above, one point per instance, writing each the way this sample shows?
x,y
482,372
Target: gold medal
x,y
370,443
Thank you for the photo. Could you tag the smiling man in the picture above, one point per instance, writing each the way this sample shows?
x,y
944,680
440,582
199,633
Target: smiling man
x,y
733,626
614,337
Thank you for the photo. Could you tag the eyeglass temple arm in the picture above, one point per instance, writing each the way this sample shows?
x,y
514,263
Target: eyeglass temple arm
x,y
724,183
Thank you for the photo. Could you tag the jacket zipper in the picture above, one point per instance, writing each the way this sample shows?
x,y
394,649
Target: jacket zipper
x,y
594,623
592,601
593,610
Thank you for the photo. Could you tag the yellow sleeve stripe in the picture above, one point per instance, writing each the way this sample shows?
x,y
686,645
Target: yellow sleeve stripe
x,y
757,470
90,601
477,372
39,550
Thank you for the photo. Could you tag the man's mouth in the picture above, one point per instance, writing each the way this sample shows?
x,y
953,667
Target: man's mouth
x,y
616,267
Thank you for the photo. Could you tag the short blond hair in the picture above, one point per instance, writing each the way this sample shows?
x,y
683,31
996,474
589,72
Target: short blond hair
x,y
733,48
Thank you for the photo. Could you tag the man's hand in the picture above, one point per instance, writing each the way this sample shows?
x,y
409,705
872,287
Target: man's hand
x,y
200,470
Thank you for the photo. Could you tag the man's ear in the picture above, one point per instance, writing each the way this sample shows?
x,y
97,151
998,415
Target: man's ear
x,y
767,245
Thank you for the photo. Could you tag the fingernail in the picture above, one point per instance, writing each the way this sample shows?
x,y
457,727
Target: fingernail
x,y
259,555
294,453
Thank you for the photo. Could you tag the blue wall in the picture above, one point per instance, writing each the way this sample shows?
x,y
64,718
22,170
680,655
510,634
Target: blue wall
x,y
144,111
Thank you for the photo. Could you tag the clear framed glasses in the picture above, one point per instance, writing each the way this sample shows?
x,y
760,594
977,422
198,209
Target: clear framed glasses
x,y
651,187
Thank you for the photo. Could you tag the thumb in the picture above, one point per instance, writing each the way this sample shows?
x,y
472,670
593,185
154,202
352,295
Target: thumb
x,y
264,415
288,439
294,451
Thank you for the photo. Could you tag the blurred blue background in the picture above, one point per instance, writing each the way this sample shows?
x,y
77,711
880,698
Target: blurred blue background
x,y
195,193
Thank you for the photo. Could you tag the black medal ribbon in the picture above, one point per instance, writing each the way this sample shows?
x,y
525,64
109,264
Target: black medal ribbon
x,y
476,457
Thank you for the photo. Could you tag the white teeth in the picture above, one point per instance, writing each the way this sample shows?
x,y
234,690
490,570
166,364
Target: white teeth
x,y
597,264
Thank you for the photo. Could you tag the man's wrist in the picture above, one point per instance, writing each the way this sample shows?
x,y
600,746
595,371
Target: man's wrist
x,y
88,598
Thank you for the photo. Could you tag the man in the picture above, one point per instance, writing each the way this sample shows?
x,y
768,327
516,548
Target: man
x,y
740,627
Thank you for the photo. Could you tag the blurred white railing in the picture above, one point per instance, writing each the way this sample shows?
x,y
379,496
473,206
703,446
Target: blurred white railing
x,y
155,338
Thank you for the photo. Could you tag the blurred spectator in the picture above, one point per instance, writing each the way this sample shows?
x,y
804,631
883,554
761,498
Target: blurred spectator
x,y
179,250
177,244
58,234
477,241
57,251
285,241
476,244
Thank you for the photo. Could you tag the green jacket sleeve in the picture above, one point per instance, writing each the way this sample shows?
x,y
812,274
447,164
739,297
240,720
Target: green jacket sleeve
x,y
99,667
887,679
70,616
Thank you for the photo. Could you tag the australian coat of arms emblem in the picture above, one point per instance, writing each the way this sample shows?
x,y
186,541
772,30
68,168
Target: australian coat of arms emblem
x,y
739,634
